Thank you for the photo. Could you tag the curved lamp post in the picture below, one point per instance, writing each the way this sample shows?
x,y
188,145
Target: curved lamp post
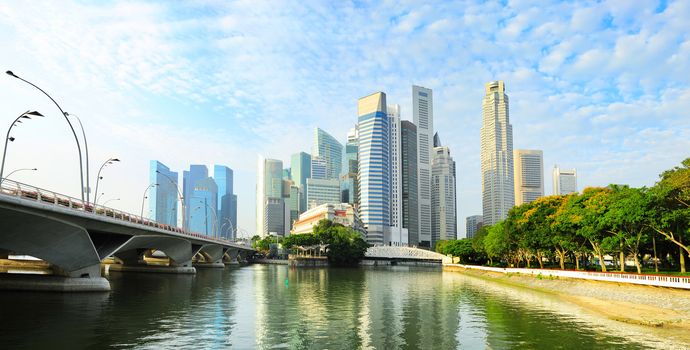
x,y
144,198
110,200
215,216
86,151
25,115
12,172
184,219
232,227
64,114
98,178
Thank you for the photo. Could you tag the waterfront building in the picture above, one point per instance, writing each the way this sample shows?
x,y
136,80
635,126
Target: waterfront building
x,y
444,223
348,181
398,234
321,191
423,117
196,173
300,168
330,150
528,175
319,168
203,207
496,135
227,210
164,197
408,181
340,213
269,190
473,225
293,203
564,181
373,166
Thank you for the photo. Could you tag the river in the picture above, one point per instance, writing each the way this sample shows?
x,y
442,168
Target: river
x,y
272,306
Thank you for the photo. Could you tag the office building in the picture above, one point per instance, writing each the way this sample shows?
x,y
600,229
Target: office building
x,y
443,224
319,168
398,234
300,169
473,225
341,213
408,181
496,156
196,173
163,198
330,150
374,166
203,208
269,191
423,117
348,181
322,191
528,175
227,211
564,181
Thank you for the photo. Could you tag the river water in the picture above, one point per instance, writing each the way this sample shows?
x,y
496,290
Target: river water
x,y
274,307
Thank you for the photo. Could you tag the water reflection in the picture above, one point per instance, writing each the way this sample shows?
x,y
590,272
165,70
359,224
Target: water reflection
x,y
265,306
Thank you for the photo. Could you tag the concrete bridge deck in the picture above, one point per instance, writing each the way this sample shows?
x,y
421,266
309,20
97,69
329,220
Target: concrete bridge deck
x,y
75,236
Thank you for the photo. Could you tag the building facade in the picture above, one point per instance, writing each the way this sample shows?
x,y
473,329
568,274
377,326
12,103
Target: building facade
x,y
227,211
398,234
196,173
528,174
498,195
269,191
341,213
322,192
163,198
374,164
330,150
300,168
348,181
564,181
203,208
423,117
473,224
408,181
444,223
319,168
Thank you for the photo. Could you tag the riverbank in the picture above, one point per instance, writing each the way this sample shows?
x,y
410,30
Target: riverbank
x,y
641,305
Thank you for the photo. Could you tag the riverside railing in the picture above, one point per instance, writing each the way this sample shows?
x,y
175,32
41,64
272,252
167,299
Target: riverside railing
x,y
32,193
669,281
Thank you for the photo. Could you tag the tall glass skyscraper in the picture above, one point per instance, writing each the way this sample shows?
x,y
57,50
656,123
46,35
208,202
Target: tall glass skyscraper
x,y
330,150
348,181
398,235
322,192
408,179
203,207
227,211
444,223
528,175
423,116
374,166
319,168
496,156
190,178
269,196
163,198
300,168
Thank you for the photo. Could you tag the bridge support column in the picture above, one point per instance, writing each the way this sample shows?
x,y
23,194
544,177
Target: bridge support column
x,y
178,250
231,256
212,256
242,255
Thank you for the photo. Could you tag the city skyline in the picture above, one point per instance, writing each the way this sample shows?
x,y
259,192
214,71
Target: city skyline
x,y
560,83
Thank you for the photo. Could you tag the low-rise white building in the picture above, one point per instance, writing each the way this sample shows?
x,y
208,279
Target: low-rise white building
x,y
342,213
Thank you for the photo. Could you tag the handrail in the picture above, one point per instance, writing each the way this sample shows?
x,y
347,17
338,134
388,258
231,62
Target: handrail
x,y
24,191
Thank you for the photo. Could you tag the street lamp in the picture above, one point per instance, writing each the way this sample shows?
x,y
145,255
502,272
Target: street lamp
x,y
12,172
110,200
64,114
144,198
215,216
232,227
25,115
184,224
86,151
109,161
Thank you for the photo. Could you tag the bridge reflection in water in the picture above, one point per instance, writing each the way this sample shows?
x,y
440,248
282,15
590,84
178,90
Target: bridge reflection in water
x,y
75,237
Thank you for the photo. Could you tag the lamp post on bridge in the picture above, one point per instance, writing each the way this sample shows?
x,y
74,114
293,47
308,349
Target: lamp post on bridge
x,y
86,151
64,114
144,199
232,227
182,204
215,216
109,200
98,177
8,138
18,170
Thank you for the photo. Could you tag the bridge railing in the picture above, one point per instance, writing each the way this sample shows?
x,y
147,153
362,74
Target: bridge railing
x,y
35,194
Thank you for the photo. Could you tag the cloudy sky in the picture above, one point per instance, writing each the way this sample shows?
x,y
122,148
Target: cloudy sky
x,y
600,86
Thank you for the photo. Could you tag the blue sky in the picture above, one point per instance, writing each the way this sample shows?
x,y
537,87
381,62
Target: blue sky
x,y
600,86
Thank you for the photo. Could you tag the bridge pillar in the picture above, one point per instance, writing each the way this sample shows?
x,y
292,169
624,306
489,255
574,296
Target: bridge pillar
x,y
243,256
212,256
231,256
131,253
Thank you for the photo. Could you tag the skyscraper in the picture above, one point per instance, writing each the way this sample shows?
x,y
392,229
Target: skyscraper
x,y
496,155
529,175
444,223
373,171
423,117
203,208
269,196
319,168
408,180
398,235
300,168
163,198
474,224
224,180
190,178
321,191
330,150
564,181
348,181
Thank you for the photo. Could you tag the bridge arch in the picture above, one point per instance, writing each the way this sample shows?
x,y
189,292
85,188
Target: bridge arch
x,y
179,250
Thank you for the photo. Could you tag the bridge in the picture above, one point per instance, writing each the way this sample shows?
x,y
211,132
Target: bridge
x,y
75,237
390,255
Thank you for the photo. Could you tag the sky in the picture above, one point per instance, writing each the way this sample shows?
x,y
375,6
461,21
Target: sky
x,y
601,86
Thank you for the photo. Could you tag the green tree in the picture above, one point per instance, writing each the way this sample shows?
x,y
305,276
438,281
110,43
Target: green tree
x,y
496,242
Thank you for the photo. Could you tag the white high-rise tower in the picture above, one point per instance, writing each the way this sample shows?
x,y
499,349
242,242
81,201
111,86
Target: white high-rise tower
x,y
529,175
423,117
498,195
398,234
564,181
